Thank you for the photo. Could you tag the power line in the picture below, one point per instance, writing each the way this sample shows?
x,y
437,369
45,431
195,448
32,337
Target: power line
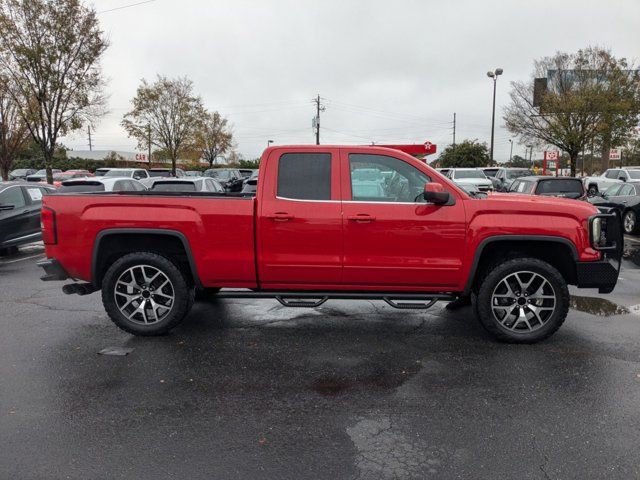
x,y
126,6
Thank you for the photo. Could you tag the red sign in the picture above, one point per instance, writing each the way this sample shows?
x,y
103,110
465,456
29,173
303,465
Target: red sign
x,y
142,157
551,155
615,154
416,149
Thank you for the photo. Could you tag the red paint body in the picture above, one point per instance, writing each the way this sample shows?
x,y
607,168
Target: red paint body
x,y
271,243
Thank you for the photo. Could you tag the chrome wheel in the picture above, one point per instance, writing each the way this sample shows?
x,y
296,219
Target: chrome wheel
x,y
629,221
144,294
523,301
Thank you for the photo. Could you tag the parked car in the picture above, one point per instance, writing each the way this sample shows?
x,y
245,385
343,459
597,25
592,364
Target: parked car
x,y
20,205
490,171
307,239
100,172
136,173
58,178
611,177
230,178
473,176
165,172
21,173
504,177
246,172
186,185
193,173
250,185
443,171
41,175
625,197
101,184
565,187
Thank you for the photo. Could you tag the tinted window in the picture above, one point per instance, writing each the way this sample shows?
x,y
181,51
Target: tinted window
x,y
81,188
378,178
305,176
612,174
626,190
546,187
12,196
521,186
634,174
160,173
173,187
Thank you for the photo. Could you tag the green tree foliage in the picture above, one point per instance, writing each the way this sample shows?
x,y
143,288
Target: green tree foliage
x,y
467,154
50,52
14,133
168,114
519,162
591,97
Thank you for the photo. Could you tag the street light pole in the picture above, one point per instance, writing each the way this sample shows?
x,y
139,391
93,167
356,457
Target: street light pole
x,y
511,150
494,76
269,142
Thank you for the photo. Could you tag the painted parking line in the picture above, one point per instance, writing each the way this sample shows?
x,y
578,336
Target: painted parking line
x,y
21,259
632,240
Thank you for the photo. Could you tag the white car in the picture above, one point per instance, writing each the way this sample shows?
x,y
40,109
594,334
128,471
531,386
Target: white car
x,y
471,176
610,177
186,184
101,184
136,173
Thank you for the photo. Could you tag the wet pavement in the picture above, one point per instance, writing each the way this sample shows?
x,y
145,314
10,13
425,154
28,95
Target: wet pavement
x,y
356,390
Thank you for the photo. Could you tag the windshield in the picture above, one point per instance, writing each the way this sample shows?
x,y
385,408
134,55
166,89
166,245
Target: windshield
x,y
174,187
118,173
159,173
469,174
81,188
635,174
511,174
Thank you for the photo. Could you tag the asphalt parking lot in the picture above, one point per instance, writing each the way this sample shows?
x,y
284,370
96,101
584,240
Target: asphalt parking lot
x,y
249,389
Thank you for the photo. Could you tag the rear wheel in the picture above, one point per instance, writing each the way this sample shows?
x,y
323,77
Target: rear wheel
x,y
146,294
523,300
630,222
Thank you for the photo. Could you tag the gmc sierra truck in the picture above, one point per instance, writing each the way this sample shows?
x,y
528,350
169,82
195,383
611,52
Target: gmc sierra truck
x,y
333,222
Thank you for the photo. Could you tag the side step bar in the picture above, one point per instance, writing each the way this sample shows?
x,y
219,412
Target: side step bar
x,y
405,301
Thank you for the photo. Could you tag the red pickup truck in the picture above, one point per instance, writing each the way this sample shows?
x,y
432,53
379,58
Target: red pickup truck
x,y
333,222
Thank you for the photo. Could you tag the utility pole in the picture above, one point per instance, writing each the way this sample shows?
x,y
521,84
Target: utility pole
x,y
511,150
454,129
89,132
493,76
316,120
149,143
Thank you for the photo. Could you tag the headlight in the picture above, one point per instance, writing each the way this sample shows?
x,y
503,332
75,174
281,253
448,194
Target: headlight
x,y
596,231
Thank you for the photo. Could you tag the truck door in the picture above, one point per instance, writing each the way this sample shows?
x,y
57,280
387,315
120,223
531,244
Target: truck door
x,y
392,238
299,220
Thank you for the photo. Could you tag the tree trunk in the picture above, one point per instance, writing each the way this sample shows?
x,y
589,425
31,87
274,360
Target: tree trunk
x,y
606,146
574,162
48,164
173,164
4,170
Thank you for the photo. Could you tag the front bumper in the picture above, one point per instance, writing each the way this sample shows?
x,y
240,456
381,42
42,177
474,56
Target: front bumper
x,y
52,270
603,274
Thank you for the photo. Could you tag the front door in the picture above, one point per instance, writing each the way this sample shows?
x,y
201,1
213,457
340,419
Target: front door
x,y
14,222
392,238
300,223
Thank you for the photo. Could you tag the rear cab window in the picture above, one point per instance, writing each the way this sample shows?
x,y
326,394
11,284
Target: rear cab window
x,y
304,176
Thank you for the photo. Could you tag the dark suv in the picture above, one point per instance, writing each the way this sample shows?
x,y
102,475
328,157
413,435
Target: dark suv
x,y
230,178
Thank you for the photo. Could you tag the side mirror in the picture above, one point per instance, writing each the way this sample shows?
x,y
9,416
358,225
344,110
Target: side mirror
x,y
435,193
6,206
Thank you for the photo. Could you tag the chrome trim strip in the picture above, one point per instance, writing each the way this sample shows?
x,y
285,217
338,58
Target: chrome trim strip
x,y
303,200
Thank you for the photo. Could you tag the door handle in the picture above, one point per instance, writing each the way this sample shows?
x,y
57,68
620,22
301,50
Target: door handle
x,y
361,217
280,217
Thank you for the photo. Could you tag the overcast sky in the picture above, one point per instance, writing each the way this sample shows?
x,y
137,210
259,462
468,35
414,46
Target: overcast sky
x,y
388,71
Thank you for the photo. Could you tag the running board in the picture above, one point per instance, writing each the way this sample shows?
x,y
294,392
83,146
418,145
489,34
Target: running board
x,y
313,299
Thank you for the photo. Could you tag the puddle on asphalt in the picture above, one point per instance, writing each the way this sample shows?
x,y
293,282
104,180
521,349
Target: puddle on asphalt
x,y
330,386
596,306
632,253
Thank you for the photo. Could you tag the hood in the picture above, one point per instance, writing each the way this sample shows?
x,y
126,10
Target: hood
x,y
545,203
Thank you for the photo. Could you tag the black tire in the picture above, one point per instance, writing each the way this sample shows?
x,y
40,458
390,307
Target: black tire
x,y
182,291
530,322
630,222
592,190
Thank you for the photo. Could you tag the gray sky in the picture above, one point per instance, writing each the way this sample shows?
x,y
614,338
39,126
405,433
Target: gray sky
x,y
389,71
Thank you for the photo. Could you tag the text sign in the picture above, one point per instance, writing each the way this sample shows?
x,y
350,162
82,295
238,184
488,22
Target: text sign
x,y
551,155
615,154
142,157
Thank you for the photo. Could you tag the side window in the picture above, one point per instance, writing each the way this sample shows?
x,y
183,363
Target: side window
x,y
626,190
34,194
304,176
379,178
613,190
13,196
612,174
119,186
137,186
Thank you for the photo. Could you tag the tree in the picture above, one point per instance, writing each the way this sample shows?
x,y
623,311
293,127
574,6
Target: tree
x,y
214,137
50,52
168,114
468,153
590,95
519,162
13,131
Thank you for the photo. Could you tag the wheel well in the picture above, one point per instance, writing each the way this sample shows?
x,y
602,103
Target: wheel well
x,y
110,247
558,254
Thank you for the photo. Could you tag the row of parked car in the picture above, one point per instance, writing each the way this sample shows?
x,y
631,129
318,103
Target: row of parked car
x,y
617,187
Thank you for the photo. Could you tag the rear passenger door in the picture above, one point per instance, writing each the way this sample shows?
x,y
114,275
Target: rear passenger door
x,y
299,221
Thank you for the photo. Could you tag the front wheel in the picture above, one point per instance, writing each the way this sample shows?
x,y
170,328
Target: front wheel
x,y
593,190
146,294
523,300
630,222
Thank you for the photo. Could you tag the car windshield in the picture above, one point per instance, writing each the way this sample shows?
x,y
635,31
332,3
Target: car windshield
x,y
469,174
635,174
159,173
118,173
511,174
82,188
174,187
